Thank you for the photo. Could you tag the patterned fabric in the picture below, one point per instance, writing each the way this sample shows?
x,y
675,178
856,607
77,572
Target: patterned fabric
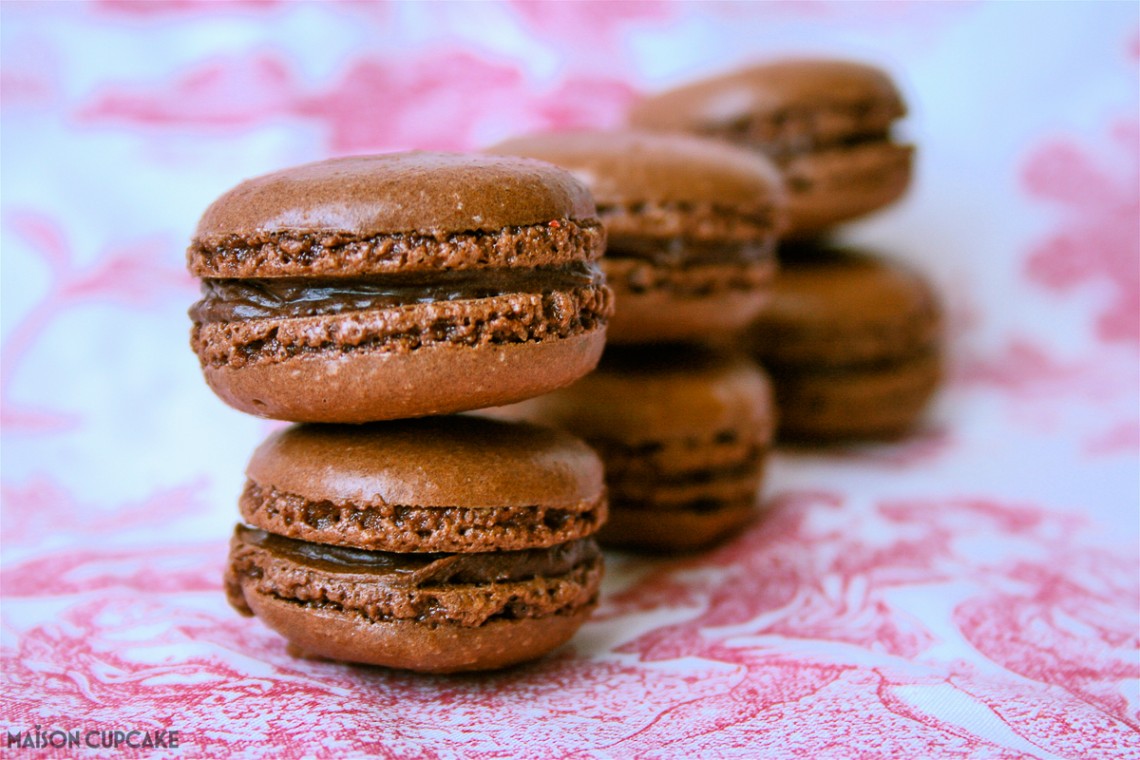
x,y
971,591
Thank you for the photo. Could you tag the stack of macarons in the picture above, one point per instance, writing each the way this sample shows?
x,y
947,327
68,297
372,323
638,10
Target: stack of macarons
x,y
371,300
390,292
683,429
851,338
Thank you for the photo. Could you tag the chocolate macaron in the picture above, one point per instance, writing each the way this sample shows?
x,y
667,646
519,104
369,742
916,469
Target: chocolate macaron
x,y
691,223
439,544
684,433
852,342
826,123
399,285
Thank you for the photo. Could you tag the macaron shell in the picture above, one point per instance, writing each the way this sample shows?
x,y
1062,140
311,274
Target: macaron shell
x,y
623,168
399,192
660,392
768,89
881,401
684,491
443,462
676,531
403,528
698,303
836,307
840,184
308,253
411,645
377,385
674,470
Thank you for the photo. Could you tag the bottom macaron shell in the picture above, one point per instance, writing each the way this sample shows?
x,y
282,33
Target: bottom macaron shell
x,y
377,385
659,317
686,506
682,530
832,186
413,645
662,313
876,402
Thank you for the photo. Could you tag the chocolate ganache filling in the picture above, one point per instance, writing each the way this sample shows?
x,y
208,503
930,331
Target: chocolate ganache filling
x,y
226,300
426,569
791,145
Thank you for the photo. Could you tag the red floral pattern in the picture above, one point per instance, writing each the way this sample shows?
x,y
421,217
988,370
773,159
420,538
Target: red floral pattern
x,y
132,276
375,104
969,591
1100,239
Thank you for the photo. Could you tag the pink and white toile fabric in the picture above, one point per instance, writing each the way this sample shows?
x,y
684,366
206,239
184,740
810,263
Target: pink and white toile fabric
x,y
973,591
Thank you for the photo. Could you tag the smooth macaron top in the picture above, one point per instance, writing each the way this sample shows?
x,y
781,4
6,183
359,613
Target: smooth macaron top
x,y
772,91
397,193
624,167
431,462
660,392
850,305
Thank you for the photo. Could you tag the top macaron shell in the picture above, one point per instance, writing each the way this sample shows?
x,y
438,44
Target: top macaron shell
x,y
840,97
428,193
626,169
505,299
438,462
630,166
843,306
435,484
642,395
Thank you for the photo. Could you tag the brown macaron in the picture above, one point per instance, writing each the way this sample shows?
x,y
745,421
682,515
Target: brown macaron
x,y
691,223
852,342
398,285
441,544
684,433
826,123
